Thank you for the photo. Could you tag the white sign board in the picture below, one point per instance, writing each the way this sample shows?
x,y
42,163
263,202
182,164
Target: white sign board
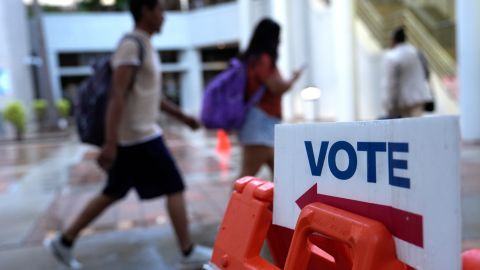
x,y
402,172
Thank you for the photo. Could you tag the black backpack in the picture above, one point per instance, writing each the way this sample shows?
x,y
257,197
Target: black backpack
x,y
93,94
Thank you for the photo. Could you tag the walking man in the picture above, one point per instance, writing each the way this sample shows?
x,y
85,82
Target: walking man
x,y
134,152
406,88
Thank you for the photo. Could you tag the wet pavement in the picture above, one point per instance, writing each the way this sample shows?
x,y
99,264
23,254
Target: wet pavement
x,y
45,183
470,177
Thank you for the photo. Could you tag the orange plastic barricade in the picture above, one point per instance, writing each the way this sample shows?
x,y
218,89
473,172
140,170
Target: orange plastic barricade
x,y
371,245
244,227
325,237
247,224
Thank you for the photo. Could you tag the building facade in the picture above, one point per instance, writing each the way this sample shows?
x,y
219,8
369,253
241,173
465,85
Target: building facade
x,y
341,43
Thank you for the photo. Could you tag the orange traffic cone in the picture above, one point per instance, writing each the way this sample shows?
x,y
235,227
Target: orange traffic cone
x,y
223,154
223,143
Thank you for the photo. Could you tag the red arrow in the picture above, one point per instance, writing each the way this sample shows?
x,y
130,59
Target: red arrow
x,y
402,224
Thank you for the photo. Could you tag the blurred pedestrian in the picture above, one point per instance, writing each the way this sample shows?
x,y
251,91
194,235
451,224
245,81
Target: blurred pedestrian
x,y
134,152
405,84
257,134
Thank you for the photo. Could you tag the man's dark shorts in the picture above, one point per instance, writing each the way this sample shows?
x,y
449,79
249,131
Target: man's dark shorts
x,y
148,167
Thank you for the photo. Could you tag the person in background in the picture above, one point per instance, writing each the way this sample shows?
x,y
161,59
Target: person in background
x,y
257,134
134,153
405,86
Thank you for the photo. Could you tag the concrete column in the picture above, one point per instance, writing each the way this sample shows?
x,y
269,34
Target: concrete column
x,y
49,90
279,11
343,14
300,44
322,58
468,42
245,23
191,91
14,52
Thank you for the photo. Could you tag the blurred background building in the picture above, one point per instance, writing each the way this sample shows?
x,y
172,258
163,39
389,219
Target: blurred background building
x,y
341,42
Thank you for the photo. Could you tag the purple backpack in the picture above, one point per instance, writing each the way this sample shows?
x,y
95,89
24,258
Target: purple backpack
x,y
224,105
93,94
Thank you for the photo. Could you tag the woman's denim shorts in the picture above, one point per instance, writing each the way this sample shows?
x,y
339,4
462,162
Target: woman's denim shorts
x,y
258,128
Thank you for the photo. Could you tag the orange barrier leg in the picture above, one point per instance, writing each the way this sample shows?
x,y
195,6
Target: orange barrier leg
x,y
245,227
371,244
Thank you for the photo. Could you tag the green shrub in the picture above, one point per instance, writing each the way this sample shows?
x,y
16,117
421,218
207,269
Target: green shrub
x,y
64,107
40,108
15,113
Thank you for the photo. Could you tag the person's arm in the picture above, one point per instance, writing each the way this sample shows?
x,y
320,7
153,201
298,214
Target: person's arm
x,y
278,85
173,110
122,76
269,75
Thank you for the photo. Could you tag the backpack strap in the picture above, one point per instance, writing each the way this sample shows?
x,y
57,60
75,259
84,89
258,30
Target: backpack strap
x,y
141,57
260,92
141,47
235,62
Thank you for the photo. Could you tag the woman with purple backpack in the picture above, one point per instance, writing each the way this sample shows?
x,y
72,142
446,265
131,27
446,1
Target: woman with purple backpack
x,y
257,133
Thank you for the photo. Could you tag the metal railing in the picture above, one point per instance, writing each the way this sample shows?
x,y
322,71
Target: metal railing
x,y
440,60
380,26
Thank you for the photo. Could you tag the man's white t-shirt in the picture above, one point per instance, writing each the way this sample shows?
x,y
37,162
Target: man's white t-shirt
x,y
138,123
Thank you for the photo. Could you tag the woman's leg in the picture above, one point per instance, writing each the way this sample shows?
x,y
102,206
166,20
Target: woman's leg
x,y
254,156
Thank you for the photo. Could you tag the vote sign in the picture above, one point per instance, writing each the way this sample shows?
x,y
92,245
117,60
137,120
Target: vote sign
x,y
403,173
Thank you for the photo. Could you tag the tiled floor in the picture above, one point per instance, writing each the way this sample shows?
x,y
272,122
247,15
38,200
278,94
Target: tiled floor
x,y
44,185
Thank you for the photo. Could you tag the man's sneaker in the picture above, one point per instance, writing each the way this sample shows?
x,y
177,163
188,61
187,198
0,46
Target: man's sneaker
x,y
62,253
199,256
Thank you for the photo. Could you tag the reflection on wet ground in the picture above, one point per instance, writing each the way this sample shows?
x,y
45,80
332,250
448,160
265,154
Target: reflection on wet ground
x,y
16,159
24,154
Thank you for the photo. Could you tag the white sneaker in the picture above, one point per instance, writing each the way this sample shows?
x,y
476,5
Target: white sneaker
x,y
62,253
199,256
